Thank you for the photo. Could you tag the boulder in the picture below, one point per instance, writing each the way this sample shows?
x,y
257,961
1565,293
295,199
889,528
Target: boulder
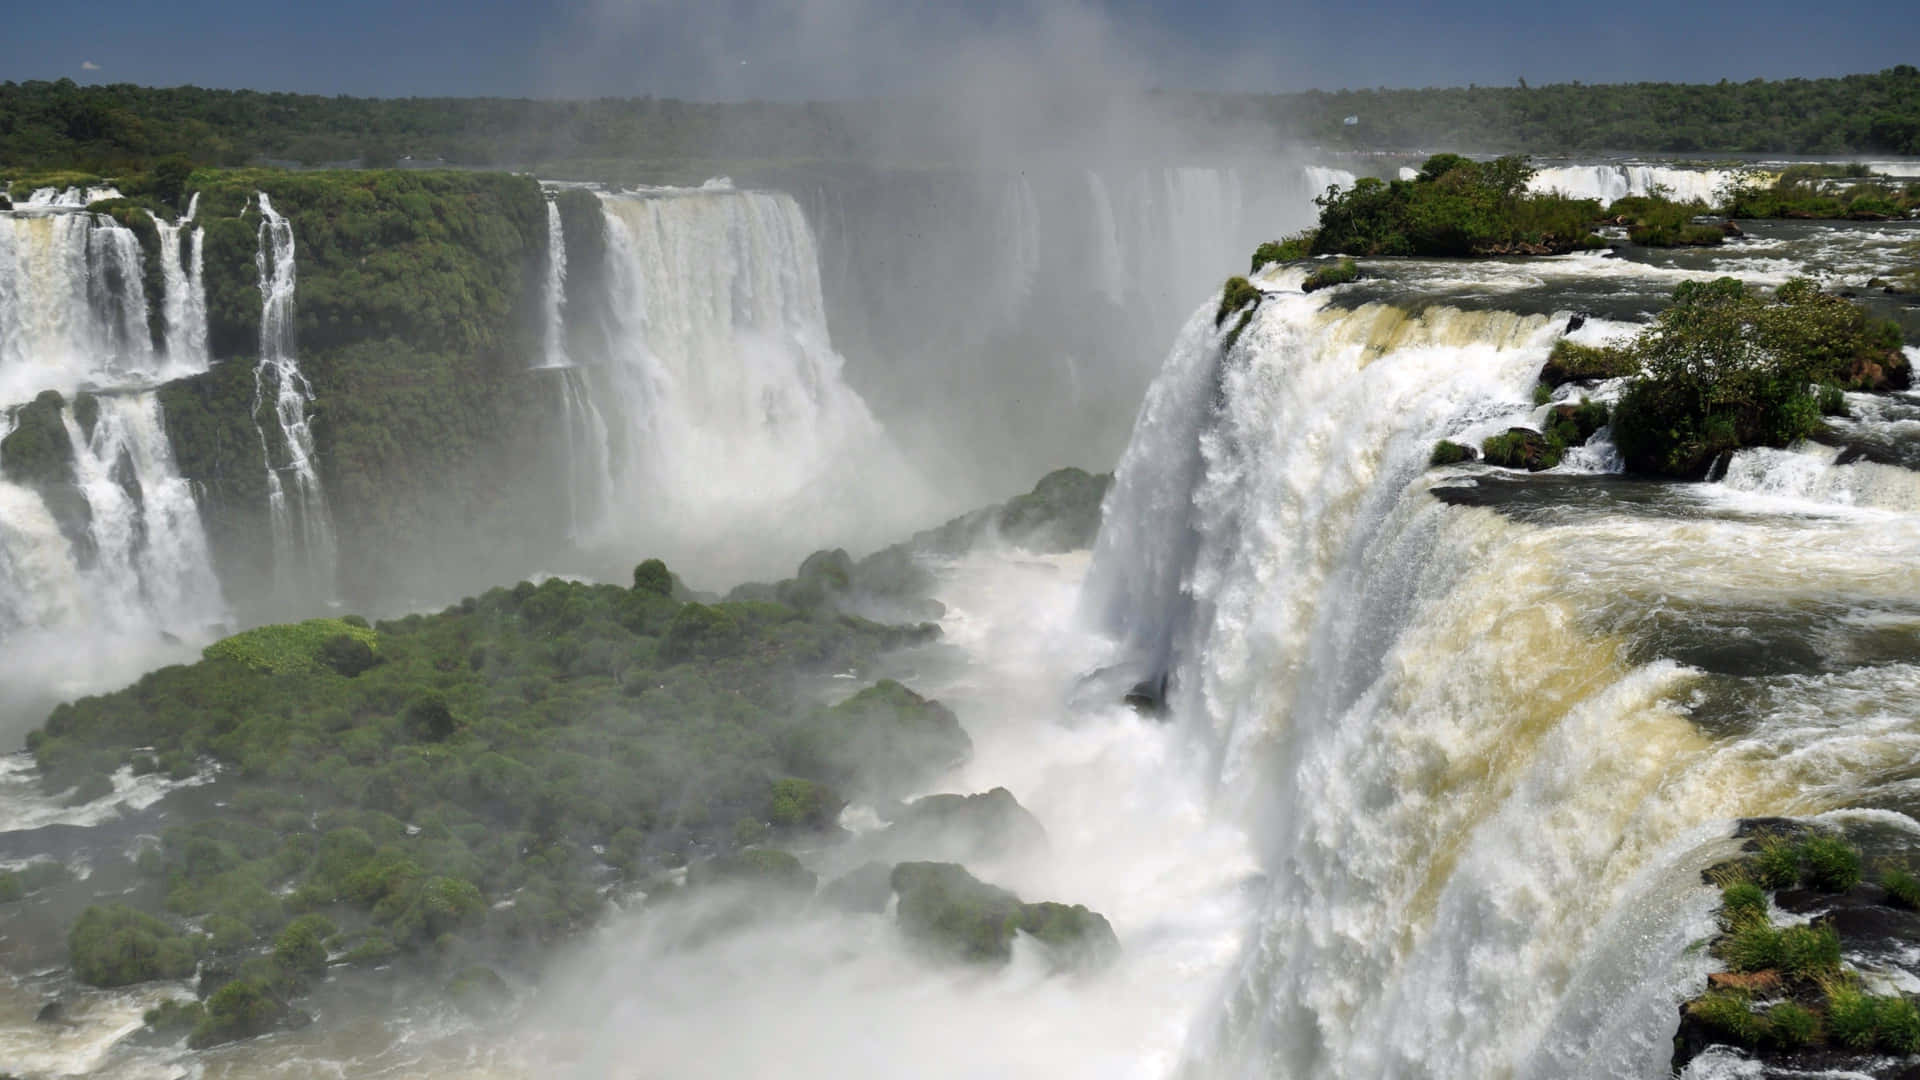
x,y
953,914
863,891
964,828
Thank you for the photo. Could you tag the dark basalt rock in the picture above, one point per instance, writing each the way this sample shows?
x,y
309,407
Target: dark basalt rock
x,y
954,914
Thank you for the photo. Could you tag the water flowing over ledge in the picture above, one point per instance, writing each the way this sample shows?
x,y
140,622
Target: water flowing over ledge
x,y
1486,751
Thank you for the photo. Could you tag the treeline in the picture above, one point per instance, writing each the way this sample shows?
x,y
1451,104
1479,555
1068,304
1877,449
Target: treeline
x,y
47,125
1877,114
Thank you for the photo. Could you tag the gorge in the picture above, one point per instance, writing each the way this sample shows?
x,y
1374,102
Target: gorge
x,y
1371,766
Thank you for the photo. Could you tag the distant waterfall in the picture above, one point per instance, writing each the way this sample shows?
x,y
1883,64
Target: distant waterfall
x,y
73,311
303,543
1607,183
726,412
74,618
182,269
556,333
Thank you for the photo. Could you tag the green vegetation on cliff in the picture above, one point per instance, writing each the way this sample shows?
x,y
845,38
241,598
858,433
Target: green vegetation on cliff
x,y
416,323
1454,207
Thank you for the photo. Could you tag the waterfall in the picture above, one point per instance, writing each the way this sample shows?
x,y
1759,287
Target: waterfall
x,y
721,392
76,619
182,269
1106,233
303,544
556,334
1486,753
73,310
1606,183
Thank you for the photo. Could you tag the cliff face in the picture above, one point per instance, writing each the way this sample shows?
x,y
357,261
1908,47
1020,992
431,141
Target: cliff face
x,y
416,319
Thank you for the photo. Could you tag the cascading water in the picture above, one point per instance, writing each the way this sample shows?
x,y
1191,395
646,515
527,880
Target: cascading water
x,y
142,583
303,544
585,449
1487,748
182,269
723,397
73,312
124,566
1607,183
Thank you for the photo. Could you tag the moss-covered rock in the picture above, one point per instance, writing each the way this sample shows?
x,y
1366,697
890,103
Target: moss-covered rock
x,y
760,869
1520,448
954,914
1573,362
964,828
803,804
1337,272
863,890
118,946
1448,452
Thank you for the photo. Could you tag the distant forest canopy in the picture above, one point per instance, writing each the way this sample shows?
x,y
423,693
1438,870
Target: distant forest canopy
x,y
107,129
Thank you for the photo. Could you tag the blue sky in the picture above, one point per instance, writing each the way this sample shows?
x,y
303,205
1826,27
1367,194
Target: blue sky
x,y
728,49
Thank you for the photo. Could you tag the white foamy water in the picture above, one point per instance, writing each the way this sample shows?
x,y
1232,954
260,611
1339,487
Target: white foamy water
x,y
80,617
728,419
304,551
1482,809
1607,183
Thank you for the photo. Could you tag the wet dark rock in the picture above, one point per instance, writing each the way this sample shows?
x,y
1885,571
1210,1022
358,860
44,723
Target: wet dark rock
x,y
952,913
864,891
53,1012
1575,321
1147,697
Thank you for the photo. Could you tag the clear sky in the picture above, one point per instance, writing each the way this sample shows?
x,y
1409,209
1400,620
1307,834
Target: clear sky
x,y
729,49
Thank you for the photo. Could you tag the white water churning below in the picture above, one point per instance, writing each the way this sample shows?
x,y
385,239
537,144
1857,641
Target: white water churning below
x,y
1484,740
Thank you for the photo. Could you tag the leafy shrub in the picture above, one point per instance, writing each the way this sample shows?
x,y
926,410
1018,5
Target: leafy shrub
x,y
1573,362
802,803
1777,866
1853,1016
241,1009
175,1015
1297,246
1902,888
118,946
289,648
1455,207
652,577
1446,452
1741,902
1237,293
1829,864
1792,1026
1721,369
1731,1015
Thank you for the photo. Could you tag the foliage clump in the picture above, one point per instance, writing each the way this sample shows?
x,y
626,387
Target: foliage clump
x,y
1292,248
1454,207
1653,221
1448,452
116,945
1805,193
292,647
1723,368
